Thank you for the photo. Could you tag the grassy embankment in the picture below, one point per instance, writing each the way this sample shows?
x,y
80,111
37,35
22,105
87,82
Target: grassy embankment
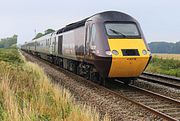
x,y
168,64
26,94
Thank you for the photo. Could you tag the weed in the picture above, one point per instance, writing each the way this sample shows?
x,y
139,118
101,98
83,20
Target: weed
x,y
27,94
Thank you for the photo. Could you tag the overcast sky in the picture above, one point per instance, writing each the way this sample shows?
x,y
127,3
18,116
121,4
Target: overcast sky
x,y
159,19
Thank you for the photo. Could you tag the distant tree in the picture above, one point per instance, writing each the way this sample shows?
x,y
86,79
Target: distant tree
x,y
165,47
39,35
9,41
48,31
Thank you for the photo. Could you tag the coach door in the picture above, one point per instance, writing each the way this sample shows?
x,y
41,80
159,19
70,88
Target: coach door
x,y
53,47
54,44
60,39
87,40
90,40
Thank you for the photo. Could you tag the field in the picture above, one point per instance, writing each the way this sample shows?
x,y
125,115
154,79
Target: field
x,y
167,56
27,94
168,64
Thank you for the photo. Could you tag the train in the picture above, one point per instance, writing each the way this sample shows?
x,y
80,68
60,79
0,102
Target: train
x,y
105,46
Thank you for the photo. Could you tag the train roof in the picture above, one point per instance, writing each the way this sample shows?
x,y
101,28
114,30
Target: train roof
x,y
103,16
40,38
72,26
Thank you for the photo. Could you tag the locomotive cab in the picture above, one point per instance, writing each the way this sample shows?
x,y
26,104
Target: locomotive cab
x,y
129,51
116,45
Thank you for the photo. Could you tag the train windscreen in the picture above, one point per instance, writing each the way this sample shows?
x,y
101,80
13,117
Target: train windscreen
x,y
122,30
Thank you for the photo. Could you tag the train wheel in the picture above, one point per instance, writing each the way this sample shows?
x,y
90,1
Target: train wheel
x,y
133,80
94,77
127,82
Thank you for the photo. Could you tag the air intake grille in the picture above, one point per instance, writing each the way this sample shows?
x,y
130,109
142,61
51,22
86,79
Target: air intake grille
x,y
130,52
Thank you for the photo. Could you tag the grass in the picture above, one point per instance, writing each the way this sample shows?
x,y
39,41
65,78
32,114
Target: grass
x,y
167,56
11,56
27,94
164,66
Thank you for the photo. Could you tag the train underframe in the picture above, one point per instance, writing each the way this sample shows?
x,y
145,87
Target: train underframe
x,y
83,69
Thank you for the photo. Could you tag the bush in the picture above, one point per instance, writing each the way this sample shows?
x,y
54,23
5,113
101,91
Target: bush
x,y
164,66
11,56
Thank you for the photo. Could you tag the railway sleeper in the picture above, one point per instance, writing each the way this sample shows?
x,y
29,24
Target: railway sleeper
x,y
152,103
167,110
161,106
173,114
134,95
144,98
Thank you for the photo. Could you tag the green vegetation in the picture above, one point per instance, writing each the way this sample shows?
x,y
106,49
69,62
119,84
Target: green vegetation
x,y
48,31
8,42
165,47
38,35
27,94
164,66
10,56
167,56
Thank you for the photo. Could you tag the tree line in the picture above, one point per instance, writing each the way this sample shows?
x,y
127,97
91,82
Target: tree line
x,y
48,31
165,47
8,42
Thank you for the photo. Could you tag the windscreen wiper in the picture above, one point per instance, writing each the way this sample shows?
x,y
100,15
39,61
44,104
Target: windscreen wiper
x,y
118,33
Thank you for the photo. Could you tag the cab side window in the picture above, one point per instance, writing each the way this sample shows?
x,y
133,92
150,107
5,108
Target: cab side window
x,y
93,35
88,35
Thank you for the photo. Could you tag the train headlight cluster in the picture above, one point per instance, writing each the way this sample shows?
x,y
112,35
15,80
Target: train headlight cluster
x,y
144,52
108,52
115,52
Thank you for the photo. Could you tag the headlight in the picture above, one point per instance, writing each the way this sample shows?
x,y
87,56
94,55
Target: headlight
x,y
115,52
108,52
144,52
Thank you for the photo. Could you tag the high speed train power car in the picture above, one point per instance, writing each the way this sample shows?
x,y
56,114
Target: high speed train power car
x,y
107,45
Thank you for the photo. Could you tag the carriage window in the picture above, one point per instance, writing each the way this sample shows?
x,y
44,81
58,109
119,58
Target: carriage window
x,y
122,30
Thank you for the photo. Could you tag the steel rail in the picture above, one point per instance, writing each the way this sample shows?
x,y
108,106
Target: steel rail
x,y
162,76
161,79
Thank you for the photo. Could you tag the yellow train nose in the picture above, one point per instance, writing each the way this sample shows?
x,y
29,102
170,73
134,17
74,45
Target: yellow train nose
x,y
129,58
127,67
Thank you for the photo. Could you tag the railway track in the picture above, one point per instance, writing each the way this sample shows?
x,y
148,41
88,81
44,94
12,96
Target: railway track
x,y
162,106
157,104
161,79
